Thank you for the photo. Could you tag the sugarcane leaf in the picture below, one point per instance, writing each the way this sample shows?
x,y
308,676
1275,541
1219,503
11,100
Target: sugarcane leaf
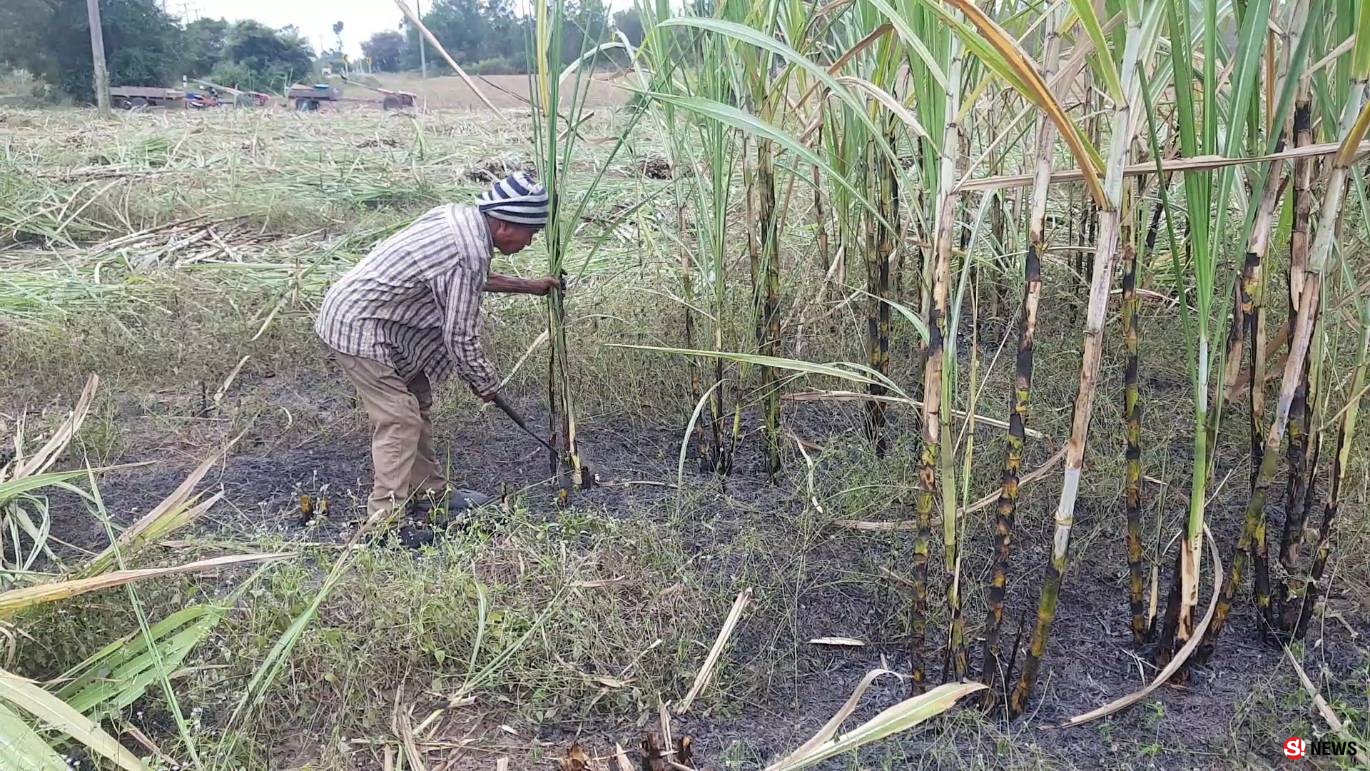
x,y
17,487
62,436
57,714
913,40
119,674
753,37
1350,144
1028,81
589,56
919,325
890,103
22,749
1360,57
15,600
1089,19
900,717
795,365
751,124
689,432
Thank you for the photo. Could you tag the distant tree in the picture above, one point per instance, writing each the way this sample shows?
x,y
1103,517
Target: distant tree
x,y
473,32
205,40
143,45
25,29
384,49
270,58
337,33
629,22
589,26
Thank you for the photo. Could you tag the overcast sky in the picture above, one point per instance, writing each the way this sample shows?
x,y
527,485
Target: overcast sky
x,y
361,18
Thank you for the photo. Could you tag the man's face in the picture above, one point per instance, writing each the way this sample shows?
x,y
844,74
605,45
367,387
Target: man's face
x,y
510,238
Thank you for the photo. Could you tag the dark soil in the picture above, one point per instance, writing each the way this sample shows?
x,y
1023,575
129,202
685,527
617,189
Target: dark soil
x,y
1235,712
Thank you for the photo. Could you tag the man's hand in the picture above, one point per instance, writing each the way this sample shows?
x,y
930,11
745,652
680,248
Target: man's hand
x,y
534,286
544,286
487,398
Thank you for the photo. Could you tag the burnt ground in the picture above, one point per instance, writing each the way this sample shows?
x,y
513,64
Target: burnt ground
x,y
1235,712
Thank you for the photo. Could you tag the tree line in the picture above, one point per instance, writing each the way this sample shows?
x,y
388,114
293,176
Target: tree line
x,y
146,46
490,38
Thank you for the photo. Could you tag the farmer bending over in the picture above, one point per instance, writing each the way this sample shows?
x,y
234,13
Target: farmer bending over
x,y
409,314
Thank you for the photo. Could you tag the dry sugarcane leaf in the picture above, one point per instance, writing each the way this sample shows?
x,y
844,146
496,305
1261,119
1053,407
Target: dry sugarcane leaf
x,y
706,671
845,642
15,600
874,526
576,759
624,764
433,41
1324,709
1200,163
886,526
814,395
166,517
839,717
63,436
1175,663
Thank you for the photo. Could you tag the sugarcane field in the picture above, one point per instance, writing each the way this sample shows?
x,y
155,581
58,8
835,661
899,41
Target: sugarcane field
x,y
726,385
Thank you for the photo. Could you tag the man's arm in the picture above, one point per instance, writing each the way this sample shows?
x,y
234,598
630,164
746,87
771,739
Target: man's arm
x,y
512,285
456,292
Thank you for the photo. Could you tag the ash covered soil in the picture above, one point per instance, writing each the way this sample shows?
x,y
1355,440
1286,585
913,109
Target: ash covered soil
x,y
1235,711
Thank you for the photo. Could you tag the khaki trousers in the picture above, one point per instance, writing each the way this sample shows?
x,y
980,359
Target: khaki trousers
x,y
401,432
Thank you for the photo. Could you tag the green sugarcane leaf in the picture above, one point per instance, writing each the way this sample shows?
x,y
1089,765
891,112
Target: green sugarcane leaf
x,y
900,717
17,487
114,655
1103,59
751,124
689,432
122,677
849,371
57,714
589,56
1360,55
913,40
22,749
919,325
748,35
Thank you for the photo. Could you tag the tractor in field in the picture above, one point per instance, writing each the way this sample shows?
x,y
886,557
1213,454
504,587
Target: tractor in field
x,y
310,98
221,94
134,97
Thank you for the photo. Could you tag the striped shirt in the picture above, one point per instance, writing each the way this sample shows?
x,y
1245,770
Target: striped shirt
x,y
414,301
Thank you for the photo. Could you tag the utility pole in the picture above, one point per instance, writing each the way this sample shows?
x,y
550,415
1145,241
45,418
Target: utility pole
x,y
97,55
423,57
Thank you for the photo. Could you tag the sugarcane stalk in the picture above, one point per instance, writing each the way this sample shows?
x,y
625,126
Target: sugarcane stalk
x,y
930,457
880,243
766,285
1140,41
1005,511
820,217
1243,331
1289,596
1132,432
946,462
1346,433
1352,129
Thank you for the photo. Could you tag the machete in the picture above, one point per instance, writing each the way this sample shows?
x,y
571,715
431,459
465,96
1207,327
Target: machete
x,y
518,419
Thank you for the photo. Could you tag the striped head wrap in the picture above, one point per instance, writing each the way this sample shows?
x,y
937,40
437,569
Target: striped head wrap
x,y
517,199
